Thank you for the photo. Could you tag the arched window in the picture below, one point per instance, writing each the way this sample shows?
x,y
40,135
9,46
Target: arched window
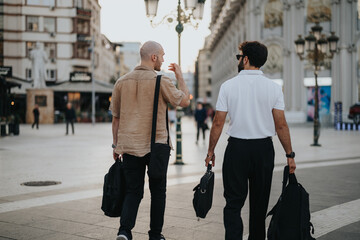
x,y
274,63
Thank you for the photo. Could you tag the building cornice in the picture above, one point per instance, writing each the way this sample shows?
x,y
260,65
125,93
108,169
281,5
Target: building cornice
x,y
229,9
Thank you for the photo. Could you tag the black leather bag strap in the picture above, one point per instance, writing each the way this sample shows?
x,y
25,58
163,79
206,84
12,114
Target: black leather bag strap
x,y
155,111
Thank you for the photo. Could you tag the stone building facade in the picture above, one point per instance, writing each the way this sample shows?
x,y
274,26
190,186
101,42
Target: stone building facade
x,y
277,23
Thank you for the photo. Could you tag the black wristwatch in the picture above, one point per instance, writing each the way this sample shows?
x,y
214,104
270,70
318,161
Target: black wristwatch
x,y
291,155
113,146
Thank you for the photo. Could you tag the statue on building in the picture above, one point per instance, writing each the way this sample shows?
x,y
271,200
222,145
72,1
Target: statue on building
x,y
38,59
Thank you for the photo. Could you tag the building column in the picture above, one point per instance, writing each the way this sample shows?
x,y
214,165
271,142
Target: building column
x,y
293,73
343,64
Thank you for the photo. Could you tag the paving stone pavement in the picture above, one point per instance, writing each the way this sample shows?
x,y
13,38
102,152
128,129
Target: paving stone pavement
x,y
329,174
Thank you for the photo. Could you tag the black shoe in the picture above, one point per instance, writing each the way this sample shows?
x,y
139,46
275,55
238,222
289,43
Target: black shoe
x,y
158,238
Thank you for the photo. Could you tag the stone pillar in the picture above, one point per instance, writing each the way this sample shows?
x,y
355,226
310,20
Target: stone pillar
x,y
293,73
45,99
344,79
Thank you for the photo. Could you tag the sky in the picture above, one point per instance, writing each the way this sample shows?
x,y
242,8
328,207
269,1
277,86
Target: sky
x,y
126,21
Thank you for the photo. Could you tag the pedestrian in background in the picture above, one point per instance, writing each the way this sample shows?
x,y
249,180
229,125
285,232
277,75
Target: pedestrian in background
x,y
36,114
70,117
200,118
172,116
132,109
255,105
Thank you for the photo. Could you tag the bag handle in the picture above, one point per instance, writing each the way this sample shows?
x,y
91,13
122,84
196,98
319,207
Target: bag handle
x,y
155,111
288,177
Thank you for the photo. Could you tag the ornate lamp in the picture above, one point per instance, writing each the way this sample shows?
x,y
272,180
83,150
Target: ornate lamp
x,y
333,39
151,8
310,42
300,46
190,4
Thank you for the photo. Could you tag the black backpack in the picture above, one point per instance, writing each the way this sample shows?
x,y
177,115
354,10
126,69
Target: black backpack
x,y
291,214
114,190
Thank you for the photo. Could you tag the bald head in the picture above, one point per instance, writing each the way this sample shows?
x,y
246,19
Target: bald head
x,y
150,48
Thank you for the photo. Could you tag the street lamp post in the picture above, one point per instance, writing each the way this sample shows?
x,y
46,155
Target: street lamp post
x,y
194,10
316,45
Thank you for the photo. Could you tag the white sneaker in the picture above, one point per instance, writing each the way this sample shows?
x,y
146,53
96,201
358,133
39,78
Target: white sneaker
x,y
122,237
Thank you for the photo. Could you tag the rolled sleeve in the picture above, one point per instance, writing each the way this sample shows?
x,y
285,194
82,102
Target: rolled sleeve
x,y
170,93
115,100
221,104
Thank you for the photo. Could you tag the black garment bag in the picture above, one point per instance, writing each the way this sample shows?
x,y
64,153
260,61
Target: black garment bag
x,y
203,193
291,214
114,190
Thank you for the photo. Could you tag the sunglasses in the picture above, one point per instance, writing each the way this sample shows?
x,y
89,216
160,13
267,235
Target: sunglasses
x,y
238,56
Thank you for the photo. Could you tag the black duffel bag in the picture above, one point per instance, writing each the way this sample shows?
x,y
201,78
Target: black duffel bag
x,y
114,190
203,194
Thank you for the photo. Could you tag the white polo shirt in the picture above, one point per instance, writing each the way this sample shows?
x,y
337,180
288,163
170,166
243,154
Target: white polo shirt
x,y
249,99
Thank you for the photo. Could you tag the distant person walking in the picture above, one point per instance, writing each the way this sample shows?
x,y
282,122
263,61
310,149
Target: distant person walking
x,y
200,117
70,117
255,105
36,114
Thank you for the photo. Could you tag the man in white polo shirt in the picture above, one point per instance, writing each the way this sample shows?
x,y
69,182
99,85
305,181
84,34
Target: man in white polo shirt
x,y
255,105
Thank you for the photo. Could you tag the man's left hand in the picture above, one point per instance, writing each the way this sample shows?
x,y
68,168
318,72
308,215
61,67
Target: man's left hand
x,y
210,157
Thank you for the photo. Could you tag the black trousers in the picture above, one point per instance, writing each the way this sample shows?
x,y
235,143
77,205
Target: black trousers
x,y
134,171
36,122
67,126
200,125
248,164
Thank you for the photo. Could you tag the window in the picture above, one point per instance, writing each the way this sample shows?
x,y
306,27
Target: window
x,y
29,46
41,2
32,23
51,74
78,3
209,81
82,26
28,74
208,94
49,24
209,68
81,51
50,49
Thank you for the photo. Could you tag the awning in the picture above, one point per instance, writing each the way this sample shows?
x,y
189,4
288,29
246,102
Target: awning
x,y
67,86
100,87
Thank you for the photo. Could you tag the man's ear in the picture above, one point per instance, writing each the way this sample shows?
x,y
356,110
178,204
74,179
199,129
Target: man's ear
x,y
153,58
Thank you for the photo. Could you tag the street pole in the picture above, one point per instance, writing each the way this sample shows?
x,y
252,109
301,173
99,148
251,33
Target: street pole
x,y
92,81
316,111
179,28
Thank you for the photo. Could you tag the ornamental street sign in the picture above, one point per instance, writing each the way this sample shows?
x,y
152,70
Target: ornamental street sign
x,y
80,77
6,71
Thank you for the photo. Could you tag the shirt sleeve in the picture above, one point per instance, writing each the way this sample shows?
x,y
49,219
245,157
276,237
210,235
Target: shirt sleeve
x,y
115,100
170,93
279,103
221,104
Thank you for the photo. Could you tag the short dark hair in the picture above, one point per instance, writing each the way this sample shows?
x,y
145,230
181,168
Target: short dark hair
x,y
256,52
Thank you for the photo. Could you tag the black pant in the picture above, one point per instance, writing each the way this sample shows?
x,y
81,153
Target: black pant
x,y
36,122
247,162
67,126
200,125
134,171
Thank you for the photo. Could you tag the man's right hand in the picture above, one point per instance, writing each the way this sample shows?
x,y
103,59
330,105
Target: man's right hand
x,y
292,165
